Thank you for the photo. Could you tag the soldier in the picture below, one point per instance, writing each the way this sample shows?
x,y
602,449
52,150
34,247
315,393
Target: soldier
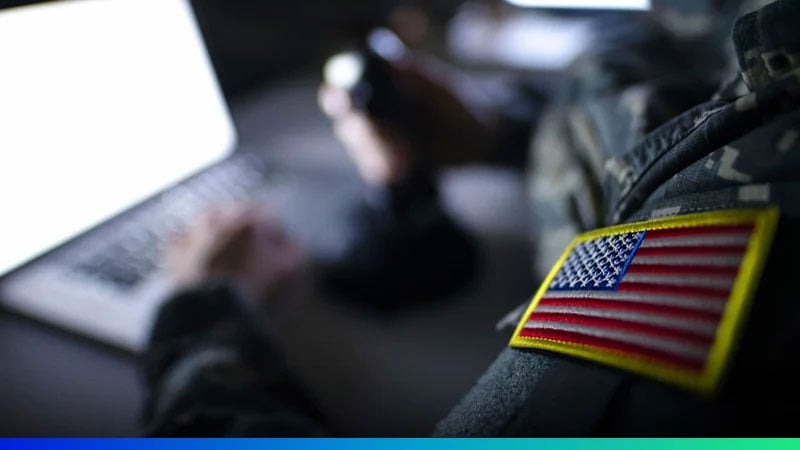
x,y
692,196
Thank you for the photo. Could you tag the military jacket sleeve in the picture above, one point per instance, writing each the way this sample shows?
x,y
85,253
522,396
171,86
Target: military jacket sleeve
x,y
739,149
211,370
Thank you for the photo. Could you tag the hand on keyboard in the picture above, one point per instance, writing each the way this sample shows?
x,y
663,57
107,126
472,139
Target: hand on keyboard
x,y
124,254
240,243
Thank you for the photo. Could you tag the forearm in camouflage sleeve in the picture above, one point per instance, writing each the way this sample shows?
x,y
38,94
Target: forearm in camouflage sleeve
x,y
211,370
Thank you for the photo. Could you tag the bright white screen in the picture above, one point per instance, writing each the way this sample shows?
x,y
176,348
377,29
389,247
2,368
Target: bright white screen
x,y
586,4
102,104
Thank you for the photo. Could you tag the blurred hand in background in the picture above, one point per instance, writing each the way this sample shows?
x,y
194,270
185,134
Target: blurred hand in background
x,y
240,243
450,127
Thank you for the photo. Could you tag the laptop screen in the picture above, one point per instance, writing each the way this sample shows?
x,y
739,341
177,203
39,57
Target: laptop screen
x,y
102,104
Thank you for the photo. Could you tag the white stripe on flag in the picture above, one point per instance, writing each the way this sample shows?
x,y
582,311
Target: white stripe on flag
x,y
703,327
688,260
698,303
706,281
703,241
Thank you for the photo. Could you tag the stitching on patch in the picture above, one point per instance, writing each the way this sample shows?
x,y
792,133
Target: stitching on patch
x,y
728,326
605,350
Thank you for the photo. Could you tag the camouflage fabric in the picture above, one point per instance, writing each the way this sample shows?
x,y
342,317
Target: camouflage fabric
x,y
212,371
603,160
618,93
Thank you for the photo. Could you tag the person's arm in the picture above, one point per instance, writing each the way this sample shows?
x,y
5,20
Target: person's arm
x,y
210,367
455,123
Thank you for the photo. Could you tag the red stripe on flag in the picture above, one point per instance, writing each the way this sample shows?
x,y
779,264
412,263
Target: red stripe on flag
x,y
692,250
616,305
623,325
699,231
613,345
655,269
701,293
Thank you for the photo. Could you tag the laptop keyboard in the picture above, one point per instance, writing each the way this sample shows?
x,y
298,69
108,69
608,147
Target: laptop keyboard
x,y
129,249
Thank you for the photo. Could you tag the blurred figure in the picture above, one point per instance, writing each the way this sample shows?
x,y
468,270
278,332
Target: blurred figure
x,y
210,354
399,126
641,128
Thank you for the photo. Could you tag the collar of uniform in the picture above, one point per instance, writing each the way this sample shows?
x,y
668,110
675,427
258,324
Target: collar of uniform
x,y
767,42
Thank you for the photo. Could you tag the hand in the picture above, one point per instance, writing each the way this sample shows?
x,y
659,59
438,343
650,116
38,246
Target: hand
x,y
458,130
380,152
240,243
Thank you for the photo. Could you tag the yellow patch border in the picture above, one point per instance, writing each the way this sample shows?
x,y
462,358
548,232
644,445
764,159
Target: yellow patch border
x,y
765,222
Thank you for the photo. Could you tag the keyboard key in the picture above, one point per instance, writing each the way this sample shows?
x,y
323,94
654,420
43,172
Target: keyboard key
x,y
125,253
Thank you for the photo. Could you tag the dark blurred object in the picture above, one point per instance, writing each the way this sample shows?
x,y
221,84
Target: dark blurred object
x,y
368,77
411,23
252,41
13,3
407,250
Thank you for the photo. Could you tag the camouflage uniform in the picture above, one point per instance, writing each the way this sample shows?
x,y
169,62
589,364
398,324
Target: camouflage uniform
x,y
612,149
739,149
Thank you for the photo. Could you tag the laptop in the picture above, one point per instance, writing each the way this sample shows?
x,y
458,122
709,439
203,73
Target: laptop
x,y
113,134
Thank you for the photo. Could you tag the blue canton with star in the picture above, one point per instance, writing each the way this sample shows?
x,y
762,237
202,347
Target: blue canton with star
x,y
598,264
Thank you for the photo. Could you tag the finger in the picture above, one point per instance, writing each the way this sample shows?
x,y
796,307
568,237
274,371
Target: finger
x,y
229,251
268,222
220,223
230,213
334,102
177,237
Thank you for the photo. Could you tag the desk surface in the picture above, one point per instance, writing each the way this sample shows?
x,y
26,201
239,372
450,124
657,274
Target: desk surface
x,y
54,384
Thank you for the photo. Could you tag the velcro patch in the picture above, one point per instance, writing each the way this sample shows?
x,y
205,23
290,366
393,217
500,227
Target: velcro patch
x,y
664,298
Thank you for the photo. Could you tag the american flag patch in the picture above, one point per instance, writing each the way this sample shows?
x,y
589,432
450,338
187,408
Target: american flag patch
x,y
664,298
